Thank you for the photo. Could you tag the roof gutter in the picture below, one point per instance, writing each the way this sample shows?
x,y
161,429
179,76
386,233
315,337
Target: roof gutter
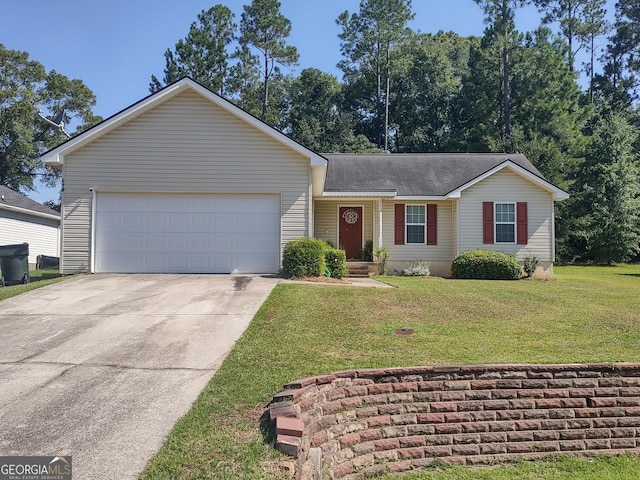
x,y
30,212
360,194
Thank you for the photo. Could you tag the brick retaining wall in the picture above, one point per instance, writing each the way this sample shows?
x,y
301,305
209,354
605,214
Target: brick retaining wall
x,y
362,422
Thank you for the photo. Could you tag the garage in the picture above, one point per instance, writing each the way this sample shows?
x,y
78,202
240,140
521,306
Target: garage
x,y
186,233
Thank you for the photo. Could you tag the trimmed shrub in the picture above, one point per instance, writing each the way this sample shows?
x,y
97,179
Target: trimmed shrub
x,y
419,268
336,261
486,265
304,257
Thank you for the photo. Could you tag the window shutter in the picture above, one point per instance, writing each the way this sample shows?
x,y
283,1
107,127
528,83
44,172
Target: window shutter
x,y
399,224
522,223
487,222
432,224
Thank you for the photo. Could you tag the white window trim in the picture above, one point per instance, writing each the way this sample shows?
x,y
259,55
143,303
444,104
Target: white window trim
x,y
406,224
514,223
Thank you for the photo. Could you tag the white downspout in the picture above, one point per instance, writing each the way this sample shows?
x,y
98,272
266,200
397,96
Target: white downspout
x,y
92,252
379,222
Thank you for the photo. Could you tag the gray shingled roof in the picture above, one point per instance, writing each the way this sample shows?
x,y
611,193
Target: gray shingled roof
x,y
11,198
416,174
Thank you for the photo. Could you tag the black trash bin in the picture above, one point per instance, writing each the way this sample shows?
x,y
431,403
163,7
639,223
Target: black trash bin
x,y
14,263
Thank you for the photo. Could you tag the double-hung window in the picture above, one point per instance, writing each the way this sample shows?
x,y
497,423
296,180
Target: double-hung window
x,y
505,221
415,223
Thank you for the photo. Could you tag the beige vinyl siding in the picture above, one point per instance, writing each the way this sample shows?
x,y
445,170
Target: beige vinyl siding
x,y
40,233
76,231
443,251
326,218
186,144
507,186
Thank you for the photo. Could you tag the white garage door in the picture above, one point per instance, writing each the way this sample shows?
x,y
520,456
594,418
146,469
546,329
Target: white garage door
x,y
187,233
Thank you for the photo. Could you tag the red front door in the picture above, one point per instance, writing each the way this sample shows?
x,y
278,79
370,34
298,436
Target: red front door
x,y
350,231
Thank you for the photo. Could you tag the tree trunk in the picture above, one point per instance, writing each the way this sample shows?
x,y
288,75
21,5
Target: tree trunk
x,y
386,104
506,97
265,93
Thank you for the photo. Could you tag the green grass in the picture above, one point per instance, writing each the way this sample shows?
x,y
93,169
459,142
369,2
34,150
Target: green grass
x,y
39,278
602,468
588,314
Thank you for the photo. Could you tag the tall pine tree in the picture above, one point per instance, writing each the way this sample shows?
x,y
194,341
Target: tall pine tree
x,y
606,223
202,54
368,42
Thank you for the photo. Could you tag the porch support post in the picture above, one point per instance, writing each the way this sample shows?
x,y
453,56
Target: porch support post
x,y
379,222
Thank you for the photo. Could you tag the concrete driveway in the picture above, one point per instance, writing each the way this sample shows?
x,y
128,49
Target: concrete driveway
x,y
101,367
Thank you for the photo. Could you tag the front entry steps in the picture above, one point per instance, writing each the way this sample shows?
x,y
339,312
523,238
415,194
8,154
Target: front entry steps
x,y
360,269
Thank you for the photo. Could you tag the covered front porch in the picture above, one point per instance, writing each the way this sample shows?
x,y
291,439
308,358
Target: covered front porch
x,y
360,224
349,223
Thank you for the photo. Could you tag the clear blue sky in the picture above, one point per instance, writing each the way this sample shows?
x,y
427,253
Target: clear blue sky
x,y
114,46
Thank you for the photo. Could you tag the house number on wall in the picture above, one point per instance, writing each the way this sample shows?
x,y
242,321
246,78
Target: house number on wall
x,y
350,216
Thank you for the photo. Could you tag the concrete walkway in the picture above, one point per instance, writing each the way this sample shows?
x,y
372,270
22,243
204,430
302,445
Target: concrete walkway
x,y
101,367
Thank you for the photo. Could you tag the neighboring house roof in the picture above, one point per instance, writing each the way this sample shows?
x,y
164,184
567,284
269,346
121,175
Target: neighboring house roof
x,y
17,202
437,175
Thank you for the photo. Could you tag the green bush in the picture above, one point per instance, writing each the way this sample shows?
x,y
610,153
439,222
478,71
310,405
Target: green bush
x,y
304,257
308,257
367,251
336,261
382,257
486,265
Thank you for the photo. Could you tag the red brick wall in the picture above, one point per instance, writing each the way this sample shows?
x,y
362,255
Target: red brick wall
x,y
398,419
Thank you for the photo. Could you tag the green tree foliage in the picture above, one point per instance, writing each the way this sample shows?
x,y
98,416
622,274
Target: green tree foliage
x,y
619,82
427,80
202,54
368,43
265,29
597,25
25,89
244,80
314,117
606,203
502,36
546,112
579,23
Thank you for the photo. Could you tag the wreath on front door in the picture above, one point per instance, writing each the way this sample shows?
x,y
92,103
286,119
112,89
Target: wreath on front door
x,y
350,216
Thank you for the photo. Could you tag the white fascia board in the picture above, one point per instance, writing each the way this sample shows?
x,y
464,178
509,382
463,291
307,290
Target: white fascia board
x,y
557,193
33,213
53,156
56,160
360,194
431,198
318,176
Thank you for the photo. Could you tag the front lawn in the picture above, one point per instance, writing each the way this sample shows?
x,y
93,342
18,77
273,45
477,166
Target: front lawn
x,y
39,278
589,314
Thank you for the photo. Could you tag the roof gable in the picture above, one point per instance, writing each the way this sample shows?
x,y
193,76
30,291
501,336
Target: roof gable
x,y
426,175
558,194
56,155
17,202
